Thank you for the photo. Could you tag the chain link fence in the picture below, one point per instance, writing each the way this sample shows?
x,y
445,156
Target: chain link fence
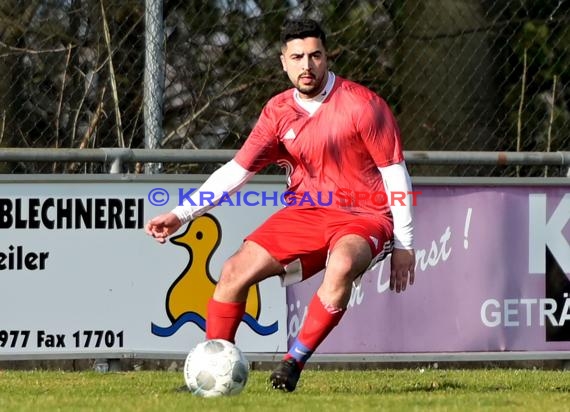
x,y
468,75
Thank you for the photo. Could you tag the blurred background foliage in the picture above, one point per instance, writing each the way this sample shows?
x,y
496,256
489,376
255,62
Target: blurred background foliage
x,y
459,74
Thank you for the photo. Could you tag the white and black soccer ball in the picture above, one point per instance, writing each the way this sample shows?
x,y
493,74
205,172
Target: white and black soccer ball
x,y
216,368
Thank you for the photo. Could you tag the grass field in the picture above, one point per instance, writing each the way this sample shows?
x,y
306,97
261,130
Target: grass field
x,y
386,390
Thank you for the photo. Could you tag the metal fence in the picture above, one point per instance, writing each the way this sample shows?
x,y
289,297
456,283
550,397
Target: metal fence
x,y
460,75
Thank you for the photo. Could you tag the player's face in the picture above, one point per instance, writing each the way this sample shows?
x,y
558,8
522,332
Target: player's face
x,y
305,62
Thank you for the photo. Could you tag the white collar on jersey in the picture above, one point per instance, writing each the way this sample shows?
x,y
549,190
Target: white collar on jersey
x,y
311,105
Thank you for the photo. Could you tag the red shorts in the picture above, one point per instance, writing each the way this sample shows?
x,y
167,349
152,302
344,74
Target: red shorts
x,y
300,238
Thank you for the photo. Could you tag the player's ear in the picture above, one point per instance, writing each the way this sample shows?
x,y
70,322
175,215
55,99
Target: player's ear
x,y
283,62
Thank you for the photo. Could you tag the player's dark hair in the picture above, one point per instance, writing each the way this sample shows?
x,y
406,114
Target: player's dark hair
x,y
301,29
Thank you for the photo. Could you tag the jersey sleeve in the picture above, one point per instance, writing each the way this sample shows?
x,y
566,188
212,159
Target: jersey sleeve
x,y
262,145
397,180
380,132
225,181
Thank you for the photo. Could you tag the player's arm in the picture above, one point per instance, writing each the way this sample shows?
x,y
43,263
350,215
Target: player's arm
x,y
397,184
225,181
381,135
259,149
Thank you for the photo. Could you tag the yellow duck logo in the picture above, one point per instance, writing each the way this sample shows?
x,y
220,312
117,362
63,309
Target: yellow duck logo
x,y
187,298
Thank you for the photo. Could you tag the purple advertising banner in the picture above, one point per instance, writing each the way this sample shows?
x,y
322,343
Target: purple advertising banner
x,y
492,274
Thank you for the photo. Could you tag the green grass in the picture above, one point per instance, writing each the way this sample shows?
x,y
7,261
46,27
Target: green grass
x,y
324,391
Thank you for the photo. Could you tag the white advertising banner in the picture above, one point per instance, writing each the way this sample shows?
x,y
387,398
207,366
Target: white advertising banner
x,y
80,278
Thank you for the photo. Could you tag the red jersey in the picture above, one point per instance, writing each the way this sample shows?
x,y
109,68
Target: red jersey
x,y
333,155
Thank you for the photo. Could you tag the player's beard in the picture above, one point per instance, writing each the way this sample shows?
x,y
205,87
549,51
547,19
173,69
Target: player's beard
x,y
313,89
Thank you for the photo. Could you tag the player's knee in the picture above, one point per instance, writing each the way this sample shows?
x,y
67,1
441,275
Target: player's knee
x,y
236,274
230,272
346,267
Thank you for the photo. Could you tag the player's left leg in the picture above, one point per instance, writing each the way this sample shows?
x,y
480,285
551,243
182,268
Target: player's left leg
x,y
349,258
354,245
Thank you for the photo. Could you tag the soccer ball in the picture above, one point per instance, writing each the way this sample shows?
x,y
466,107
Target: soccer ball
x,y
216,368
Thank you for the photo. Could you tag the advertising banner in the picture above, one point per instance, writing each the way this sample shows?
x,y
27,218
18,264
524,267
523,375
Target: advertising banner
x,y
492,274
80,278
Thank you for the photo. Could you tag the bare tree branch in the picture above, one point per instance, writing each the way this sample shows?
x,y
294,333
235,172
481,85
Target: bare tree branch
x,y
198,113
92,127
19,50
119,125
78,111
3,126
60,100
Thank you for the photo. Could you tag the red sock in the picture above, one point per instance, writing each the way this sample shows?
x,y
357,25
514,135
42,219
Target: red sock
x,y
320,321
223,319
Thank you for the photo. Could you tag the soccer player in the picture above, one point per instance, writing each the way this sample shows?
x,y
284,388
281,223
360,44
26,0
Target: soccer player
x,y
334,136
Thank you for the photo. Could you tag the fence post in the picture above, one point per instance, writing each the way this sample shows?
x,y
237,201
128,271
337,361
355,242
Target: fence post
x,y
116,165
153,78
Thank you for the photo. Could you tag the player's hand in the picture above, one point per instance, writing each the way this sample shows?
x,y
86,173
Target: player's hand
x,y
162,226
402,269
